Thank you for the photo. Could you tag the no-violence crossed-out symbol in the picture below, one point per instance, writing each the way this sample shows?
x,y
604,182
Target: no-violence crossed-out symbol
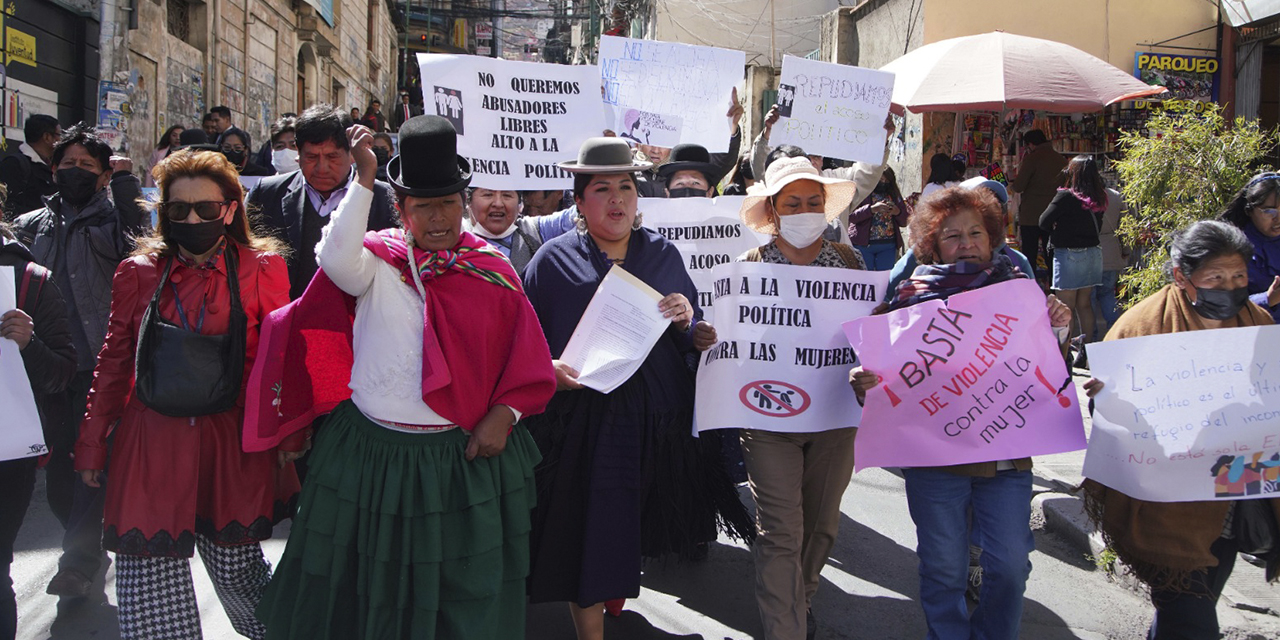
x,y
774,398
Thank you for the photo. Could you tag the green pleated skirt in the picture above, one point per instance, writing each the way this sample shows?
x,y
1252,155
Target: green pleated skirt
x,y
399,536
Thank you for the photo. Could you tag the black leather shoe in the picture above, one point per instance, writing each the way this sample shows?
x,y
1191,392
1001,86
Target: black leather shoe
x,y
69,583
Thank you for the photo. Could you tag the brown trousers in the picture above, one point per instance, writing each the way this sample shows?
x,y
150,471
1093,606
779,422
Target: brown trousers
x,y
797,480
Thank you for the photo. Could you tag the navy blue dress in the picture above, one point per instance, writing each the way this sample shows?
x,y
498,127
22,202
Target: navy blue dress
x,y
621,476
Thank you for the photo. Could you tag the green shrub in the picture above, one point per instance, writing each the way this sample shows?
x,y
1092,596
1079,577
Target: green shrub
x,y
1188,169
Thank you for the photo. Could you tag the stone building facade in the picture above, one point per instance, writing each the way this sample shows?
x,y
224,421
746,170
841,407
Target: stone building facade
x,y
260,58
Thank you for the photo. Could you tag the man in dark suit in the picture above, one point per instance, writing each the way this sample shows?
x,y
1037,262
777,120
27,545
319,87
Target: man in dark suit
x,y
403,111
295,206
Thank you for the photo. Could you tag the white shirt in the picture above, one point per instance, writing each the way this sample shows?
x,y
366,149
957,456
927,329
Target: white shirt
x,y
325,206
386,379
933,186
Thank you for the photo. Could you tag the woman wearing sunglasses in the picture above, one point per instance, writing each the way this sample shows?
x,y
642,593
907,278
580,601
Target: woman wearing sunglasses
x,y
182,334
1254,210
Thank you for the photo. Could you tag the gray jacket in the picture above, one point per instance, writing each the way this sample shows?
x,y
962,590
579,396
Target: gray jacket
x,y
91,245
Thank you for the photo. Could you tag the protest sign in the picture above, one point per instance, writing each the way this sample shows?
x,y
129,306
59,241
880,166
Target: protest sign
x,y
976,378
707,231
22,435
833,110
782,363
1188,416
669,85
643,127
515,120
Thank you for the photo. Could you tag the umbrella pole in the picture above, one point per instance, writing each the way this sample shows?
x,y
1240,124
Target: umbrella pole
x,y
773,27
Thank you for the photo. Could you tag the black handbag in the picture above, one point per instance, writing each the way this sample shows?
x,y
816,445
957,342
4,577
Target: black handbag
x,y
1255,527
181,373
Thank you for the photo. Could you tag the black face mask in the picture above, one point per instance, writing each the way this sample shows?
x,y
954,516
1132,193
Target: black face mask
x,y
76,185
382,155
688,192
235,157
1220,304
199,237
882,187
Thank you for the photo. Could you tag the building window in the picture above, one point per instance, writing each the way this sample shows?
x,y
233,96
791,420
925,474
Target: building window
x,y
179,19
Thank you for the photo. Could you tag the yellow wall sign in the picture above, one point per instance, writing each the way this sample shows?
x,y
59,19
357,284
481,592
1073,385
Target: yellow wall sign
x,y
1186,77
19,46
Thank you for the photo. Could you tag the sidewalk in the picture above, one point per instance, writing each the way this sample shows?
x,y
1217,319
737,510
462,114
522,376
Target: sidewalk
x,y
1057,477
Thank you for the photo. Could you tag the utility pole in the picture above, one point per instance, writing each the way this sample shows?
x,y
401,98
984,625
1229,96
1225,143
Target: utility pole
x,y
404,62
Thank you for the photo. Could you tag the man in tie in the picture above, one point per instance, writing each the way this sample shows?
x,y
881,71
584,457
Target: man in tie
x,y
403,111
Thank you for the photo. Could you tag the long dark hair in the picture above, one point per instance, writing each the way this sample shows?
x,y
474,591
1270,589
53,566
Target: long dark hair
x,y
190,163
892,179
1254,194
940,171
1086,183
164,139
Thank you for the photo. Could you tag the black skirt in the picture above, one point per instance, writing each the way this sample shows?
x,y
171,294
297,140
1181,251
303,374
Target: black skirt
x,y
620,482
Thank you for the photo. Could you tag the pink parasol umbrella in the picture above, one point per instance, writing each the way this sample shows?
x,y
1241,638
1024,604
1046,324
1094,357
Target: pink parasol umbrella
x,y
998,70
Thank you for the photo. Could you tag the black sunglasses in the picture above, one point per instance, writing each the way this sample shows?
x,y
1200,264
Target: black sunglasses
x,y
178,211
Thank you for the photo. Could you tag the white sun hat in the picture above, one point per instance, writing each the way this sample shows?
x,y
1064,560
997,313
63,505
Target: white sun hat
x,y
784,171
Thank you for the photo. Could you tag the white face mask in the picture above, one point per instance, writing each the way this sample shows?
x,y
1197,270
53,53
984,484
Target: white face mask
x,y
802,229
478,229
284,160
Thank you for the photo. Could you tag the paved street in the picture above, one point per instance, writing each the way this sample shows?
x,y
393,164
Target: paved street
x,y
868,588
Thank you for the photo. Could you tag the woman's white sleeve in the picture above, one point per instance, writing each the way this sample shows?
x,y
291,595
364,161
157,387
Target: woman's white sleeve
x,y
341,251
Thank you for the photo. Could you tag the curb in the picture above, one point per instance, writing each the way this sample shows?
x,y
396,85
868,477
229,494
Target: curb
x,y
1063,514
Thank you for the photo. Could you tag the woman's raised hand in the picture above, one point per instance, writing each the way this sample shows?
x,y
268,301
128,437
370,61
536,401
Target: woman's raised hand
x,y
360,138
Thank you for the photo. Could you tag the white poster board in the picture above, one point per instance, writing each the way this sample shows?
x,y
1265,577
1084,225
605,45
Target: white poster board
x,y
515,120
833,110
782,362
1188,416
707,231
654,87
22,436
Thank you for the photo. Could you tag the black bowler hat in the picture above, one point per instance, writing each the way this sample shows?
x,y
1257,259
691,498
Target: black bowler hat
x,y
434,168
196,140
688,157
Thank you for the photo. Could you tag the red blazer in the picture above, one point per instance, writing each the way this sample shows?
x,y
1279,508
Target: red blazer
x,y
264,287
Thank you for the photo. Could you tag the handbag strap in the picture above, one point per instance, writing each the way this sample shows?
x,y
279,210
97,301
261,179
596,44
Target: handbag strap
x,y
233,283
24,288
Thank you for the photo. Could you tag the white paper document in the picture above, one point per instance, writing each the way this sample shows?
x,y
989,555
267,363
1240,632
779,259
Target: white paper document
x,y
21,436
616,333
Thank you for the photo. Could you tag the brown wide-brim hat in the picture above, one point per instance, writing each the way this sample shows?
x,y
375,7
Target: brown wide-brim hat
x,y
604,155
784,171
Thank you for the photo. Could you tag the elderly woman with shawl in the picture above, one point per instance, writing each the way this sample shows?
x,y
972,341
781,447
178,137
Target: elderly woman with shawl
x,y
1184,551
415,517
954,234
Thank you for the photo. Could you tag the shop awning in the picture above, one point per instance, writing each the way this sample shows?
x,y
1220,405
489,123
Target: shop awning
x,y
998,70
1243,12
